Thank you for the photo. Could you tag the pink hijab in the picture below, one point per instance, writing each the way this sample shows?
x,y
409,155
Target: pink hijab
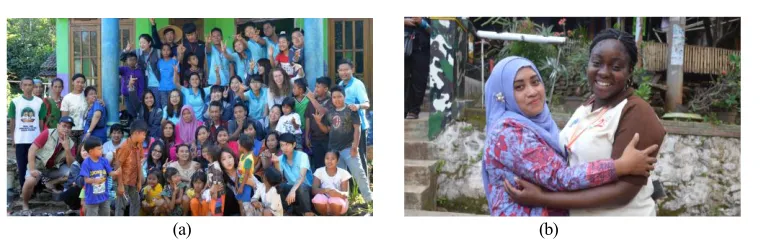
x,y
186,131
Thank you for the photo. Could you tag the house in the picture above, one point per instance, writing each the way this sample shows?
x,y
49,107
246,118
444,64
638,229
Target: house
x,y
91,46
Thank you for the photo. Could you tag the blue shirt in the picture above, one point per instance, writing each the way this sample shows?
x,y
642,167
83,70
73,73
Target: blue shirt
x,y
270,43
241,65
257,104
96,193
167,70
174,119
292,172
356,94
217,58
97,132
195,100
257,52
256,148
153,81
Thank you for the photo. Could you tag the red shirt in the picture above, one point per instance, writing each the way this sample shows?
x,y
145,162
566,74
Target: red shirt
x,y
40,141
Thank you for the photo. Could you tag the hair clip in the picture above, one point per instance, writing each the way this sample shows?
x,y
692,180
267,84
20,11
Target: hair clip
x,y
499,96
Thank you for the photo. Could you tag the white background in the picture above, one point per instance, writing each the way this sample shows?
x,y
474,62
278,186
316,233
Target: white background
x,y
389,220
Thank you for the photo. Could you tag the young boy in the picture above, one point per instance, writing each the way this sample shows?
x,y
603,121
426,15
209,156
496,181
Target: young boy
x,y
315,138
95,169
192,61
246,181
132,76
130,158
299,90
344,136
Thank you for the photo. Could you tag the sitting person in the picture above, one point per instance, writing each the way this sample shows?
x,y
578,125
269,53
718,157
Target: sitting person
x,y
330,187
151,193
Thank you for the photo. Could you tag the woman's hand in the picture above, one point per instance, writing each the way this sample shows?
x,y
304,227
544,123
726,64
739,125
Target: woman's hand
x,y
527,194
634,161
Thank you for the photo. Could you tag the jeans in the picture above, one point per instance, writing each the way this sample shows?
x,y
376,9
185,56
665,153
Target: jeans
x,y
22,161
319,148
100,209
352,164
134,201
302,202
363,149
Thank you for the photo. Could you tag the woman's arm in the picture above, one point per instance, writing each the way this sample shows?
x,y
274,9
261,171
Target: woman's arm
x,y
316,186
94,122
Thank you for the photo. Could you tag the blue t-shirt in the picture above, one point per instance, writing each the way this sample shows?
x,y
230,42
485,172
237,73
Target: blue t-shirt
x,y
153,80
356,94
257,52
96,193
167,70
195,100
292,172
97,132
241,65
174,119
270,43
217,58
257,104
256,148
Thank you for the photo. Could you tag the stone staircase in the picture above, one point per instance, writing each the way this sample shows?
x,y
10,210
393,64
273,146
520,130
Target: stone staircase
x,y
420,167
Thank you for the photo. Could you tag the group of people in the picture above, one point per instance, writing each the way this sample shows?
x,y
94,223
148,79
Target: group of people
x,y
212,131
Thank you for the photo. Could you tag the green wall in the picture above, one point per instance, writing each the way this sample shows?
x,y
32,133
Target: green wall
x,y
62,45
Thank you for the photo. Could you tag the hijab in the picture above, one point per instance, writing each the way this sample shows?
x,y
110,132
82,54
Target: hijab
x,y
186,131
501,105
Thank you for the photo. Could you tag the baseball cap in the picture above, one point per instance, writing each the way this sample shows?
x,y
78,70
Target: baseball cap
x,y
67,119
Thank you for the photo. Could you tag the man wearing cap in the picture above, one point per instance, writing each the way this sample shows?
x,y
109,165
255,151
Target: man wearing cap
x,y
169,36
26,113
191,45
47,155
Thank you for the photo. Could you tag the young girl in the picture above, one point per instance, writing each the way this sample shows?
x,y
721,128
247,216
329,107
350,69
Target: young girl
x,y
184,165
202,139
330,187
290,122
264,69
229,163
172,110
199,196
270,148
250,129
195,96
168,137
214,181
241,57
173,194
151,113
216,95
152,192
222,140
167,70
256,98
236,91
272,204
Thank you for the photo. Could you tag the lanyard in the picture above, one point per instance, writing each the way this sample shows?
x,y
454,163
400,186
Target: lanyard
x,y
575,134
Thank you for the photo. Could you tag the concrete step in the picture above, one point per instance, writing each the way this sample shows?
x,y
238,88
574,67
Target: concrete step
x,y
420,197
421,172
423,213
417,129
421,150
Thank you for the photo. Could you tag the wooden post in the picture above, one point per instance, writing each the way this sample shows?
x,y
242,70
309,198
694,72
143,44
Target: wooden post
x,y
608,22
676,43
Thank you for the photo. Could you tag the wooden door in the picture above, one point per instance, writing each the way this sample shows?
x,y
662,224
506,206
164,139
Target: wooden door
x,y
352,39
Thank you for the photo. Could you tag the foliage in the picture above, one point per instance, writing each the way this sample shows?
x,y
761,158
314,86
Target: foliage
x,y
644,87
724,94
12,93
30,42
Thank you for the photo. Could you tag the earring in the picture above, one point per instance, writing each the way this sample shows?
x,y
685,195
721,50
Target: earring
x,y
499,96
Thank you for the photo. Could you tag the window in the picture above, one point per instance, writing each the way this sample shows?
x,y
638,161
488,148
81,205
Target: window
x,y
85,46
351,39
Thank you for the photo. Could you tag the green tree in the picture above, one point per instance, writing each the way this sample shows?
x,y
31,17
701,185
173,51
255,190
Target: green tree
x,y
30,42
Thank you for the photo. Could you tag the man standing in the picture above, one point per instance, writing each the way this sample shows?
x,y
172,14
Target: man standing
x,y
26,113
357,101
46,157
129,157
416,65
169,32
271,38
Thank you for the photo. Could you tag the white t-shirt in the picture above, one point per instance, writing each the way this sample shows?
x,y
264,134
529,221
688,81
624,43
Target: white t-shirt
x,y
76,105
27,117
273,202
285,126
332,182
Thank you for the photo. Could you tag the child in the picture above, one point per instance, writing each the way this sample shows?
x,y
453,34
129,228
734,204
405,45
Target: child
x,y
330,187
152,192
257,98
128,156
222,140
215,190
250,129
166,66
192,60
202,139
226,109
131,75
246,181
95,168
290,122
173,194
314,137
199,206
271,204
205,158
270,148
301,102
